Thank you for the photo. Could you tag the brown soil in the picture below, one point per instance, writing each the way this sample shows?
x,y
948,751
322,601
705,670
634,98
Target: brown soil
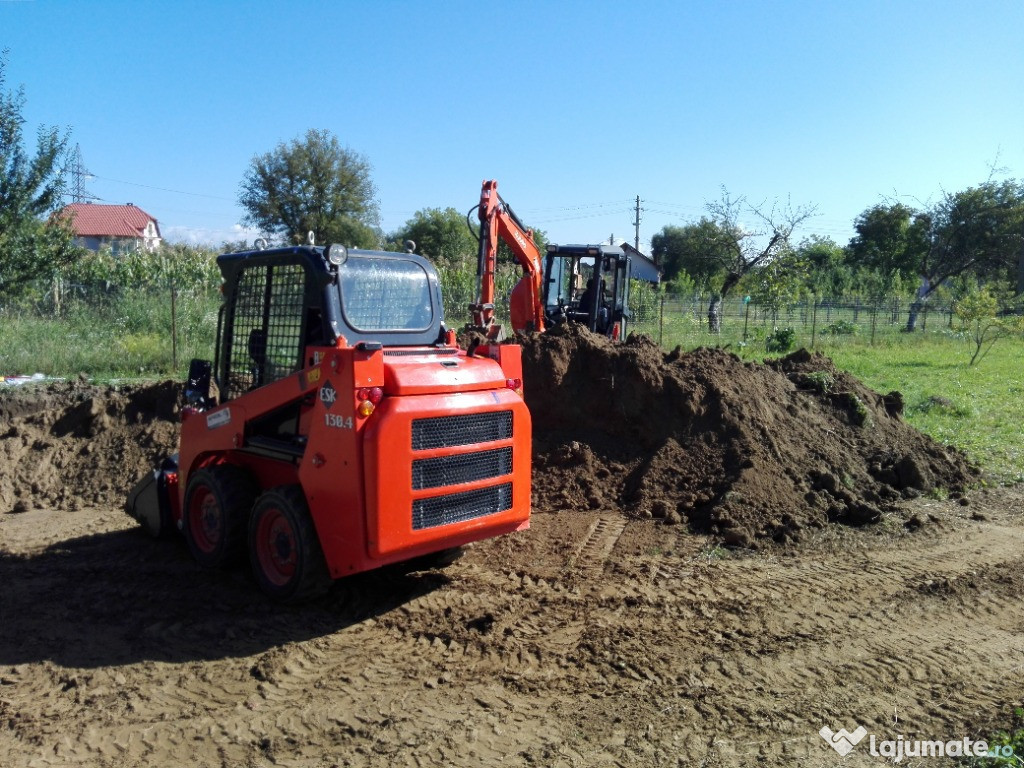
x,y
69,443
745,451
602,636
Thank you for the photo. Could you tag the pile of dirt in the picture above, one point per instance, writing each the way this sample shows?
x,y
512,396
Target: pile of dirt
x,y
747,451
68,444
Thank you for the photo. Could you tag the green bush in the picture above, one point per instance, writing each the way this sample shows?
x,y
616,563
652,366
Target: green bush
x,y
781,340
840,328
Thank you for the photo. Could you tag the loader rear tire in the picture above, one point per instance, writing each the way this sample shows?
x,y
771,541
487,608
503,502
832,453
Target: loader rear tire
x,y
284,549
217,504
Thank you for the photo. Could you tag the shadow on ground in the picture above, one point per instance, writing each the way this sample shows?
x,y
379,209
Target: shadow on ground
x,y
118,598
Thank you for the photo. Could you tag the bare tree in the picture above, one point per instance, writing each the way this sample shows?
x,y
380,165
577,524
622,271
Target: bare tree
x,y
748,249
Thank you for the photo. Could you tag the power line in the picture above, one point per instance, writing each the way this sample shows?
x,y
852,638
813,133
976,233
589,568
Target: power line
x,y
164,189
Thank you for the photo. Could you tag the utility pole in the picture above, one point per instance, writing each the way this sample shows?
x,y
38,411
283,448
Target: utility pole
x,y
636,225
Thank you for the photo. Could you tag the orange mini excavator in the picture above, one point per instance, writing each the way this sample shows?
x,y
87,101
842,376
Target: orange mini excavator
x,y
587,284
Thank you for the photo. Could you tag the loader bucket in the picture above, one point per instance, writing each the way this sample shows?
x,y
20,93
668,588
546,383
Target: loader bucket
x,y
149,501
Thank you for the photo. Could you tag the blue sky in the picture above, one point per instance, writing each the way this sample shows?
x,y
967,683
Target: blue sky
x,y
574,107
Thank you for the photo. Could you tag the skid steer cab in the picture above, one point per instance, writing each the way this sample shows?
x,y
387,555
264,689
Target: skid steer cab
x,y
339,427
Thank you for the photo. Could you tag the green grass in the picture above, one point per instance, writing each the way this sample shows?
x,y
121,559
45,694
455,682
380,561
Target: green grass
x,y
979,409
126,338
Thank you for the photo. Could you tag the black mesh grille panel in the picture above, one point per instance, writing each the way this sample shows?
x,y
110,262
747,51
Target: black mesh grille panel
x,y
456,507
409,352
266,328
449,431
465,468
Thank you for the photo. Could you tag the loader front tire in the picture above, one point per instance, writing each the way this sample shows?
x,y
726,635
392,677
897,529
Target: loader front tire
x,y
284,549
217,504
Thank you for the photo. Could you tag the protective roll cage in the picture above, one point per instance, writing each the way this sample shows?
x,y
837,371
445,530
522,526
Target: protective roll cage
x,y
281,300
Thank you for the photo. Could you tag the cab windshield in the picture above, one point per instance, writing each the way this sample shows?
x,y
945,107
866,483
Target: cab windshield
x,y
385,294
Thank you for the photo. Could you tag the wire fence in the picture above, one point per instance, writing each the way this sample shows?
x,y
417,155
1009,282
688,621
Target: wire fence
x,y
103,328
683,320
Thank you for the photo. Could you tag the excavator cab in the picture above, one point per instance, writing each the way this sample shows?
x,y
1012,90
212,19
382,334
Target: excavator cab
x,y
588,284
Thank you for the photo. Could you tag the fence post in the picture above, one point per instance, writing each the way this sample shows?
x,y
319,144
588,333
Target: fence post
x,y
874,321
814,321
661,323
174,329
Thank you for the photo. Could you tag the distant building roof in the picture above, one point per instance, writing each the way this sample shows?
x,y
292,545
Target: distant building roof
x,y
92,220
644,267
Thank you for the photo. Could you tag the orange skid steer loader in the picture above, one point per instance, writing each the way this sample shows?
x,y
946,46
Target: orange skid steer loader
x,y
339,427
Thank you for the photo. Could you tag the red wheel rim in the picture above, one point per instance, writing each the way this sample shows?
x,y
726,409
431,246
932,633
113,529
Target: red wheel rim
x,y
205,520
276,547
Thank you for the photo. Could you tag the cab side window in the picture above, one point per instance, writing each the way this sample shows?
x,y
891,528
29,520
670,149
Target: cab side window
x,y
265,328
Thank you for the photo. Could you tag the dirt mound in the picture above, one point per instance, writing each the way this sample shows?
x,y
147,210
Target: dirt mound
x,y
70,443
744,450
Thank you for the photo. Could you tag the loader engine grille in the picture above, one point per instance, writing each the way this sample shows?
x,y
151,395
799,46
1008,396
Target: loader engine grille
x,y
457,507
463,468
468,429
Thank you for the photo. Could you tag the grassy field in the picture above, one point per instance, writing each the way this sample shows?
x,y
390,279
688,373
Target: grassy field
x,y
129,337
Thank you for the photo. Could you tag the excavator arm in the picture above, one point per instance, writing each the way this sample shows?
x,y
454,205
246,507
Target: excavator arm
x,y
498,222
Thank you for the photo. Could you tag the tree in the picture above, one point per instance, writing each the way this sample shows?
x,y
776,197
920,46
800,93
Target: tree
x,y
747,250
780,282
441,235
977,231
829,274
889,237
33,242
979,313
697,249
312,184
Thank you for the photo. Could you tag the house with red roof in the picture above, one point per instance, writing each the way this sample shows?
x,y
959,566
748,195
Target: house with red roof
x,y
123,227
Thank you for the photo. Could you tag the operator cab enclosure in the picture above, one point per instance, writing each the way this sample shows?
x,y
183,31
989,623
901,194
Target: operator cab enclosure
x,y
283,300
588,284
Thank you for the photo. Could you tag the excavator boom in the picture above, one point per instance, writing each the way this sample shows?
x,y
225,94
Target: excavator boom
x,y
499,223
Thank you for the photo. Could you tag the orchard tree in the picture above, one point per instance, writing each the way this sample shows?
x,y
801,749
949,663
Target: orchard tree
x,y
978,231
312,184
748,249
890,236
780,282
828,274
33,242
979,312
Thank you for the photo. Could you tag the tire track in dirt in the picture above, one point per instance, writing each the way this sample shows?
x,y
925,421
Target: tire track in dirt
x,y
807,650
656,659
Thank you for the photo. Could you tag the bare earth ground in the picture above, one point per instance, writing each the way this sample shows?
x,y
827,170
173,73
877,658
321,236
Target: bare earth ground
x,y
589,640
617,631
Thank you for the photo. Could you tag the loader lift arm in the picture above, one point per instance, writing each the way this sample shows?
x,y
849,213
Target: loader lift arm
x,y
498,222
